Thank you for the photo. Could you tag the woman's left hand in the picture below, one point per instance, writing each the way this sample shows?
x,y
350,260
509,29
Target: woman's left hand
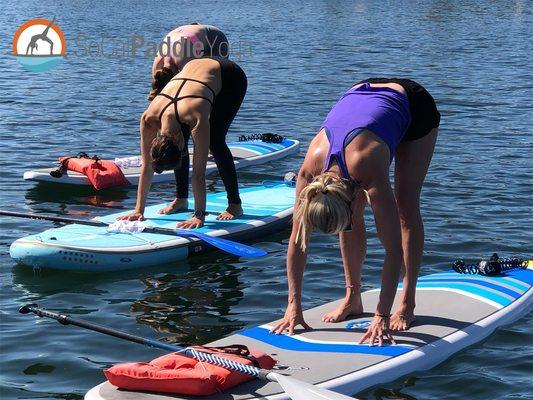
x,y
192,223
379,329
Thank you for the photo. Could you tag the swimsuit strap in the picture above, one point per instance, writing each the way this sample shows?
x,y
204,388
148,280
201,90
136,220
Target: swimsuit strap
x,y
168,104
339,159
174,100
197,81
192,96
336,152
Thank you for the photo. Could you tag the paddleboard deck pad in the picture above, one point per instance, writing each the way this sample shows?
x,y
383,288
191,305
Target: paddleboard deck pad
x,y
453,311
245,153
90,248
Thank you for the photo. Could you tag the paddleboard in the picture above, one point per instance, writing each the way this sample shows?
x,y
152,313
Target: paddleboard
x,y
245,153
453,311
89,248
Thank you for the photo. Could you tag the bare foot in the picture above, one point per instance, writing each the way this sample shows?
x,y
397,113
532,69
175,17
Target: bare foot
x,y
402,318
352,306
174,207
233,211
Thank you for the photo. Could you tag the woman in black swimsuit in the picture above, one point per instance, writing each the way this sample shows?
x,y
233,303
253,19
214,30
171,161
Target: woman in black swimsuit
x,y
201,101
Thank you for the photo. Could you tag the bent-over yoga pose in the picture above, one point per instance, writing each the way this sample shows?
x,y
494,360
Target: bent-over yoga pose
x,y
346,166
201,101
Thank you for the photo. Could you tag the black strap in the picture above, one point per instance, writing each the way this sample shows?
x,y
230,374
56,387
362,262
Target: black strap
x,y
197,81
174,100
59,171
264,137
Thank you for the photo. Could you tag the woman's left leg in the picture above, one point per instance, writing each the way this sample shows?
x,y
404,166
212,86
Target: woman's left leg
x,y
412,163
353,250
227,104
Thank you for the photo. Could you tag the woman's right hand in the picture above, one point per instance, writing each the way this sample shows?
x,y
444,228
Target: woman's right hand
x,y
379,331
134,216
293,317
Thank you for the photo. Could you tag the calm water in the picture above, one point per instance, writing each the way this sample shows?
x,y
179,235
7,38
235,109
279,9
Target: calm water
x,y
474,57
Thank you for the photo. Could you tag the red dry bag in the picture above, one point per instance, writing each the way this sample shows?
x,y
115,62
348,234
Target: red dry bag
x,y
101,173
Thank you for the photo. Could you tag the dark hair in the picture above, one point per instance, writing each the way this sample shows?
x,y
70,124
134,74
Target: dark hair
x,y
166,154
159,81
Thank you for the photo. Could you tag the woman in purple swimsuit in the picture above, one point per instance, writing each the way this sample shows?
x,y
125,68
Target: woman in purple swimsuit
x,y
347,166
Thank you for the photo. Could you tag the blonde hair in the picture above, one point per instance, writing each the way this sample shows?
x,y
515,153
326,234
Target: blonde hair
x,y
324,204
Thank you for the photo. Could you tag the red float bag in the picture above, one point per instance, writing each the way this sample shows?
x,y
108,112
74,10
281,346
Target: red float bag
x,y
101,173
178,374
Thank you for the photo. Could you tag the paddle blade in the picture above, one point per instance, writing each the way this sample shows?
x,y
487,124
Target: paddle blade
x,y
226,245
299,390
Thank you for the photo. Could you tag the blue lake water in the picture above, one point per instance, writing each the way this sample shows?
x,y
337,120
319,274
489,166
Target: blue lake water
x,y
474,57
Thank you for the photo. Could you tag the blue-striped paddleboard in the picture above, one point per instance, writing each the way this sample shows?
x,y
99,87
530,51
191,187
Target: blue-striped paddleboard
x,y
89,248
453,311
245,154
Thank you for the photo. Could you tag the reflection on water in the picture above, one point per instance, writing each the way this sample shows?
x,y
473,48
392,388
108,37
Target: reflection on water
x,y
396,393
188,306
44,197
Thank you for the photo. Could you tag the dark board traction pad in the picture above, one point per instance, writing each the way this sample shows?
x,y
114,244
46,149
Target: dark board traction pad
x,y
453,311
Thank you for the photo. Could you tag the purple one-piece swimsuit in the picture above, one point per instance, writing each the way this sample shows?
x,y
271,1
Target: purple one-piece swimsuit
x,y
383,111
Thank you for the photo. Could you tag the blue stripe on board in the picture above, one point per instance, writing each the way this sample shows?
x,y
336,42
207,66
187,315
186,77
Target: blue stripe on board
x,y
269,147
496,298
251,147
524,275
477,282
287,142
496,279
290,343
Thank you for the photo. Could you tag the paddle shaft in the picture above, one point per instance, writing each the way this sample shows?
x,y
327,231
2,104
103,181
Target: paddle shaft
x,y
52,218
45,217
229,246
188,352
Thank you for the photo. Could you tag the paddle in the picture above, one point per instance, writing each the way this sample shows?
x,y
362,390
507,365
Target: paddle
x,y
226,245
295,389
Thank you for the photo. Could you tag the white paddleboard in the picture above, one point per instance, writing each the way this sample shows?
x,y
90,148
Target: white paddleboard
x,y
453,311
245,153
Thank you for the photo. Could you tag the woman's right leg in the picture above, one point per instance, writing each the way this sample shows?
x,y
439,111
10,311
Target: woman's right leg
x,y
181,175
227,104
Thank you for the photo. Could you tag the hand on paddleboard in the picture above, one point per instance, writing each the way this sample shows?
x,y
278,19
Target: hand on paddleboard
x,y
134,216
293,317
379,331
192,223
